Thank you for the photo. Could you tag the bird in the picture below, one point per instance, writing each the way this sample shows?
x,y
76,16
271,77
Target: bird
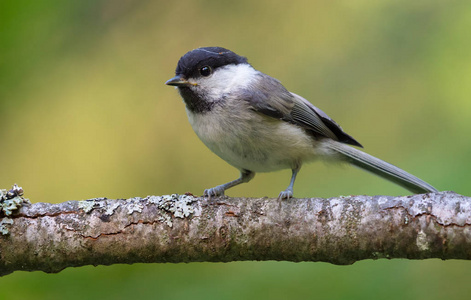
x,y
250,120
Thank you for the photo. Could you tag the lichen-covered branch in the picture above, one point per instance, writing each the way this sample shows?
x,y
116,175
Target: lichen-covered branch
x,y
51,237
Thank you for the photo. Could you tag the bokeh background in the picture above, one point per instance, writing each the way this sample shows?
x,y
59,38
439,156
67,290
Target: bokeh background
x,y
84,113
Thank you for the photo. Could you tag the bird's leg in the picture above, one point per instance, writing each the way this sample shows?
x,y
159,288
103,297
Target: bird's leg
x,y
245,176
288,193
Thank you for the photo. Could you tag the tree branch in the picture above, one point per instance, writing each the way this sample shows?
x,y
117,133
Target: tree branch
x,y
51,237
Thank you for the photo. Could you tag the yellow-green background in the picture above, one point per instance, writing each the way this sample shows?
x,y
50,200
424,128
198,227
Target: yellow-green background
x,y
84,113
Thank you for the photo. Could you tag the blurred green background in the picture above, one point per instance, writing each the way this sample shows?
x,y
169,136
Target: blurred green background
x,y
85,113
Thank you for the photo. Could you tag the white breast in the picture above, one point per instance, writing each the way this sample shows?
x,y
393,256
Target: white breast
x,y
251,141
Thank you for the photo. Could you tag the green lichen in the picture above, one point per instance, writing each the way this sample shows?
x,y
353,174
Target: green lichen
x,y
10,201
111,208
170,206
5,224
89,204
177,205
86,205
134,204
8,206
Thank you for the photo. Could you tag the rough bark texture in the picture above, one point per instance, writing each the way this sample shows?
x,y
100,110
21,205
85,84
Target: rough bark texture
x,y
51,237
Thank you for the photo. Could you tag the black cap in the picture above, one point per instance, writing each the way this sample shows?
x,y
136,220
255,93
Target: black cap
x,y
214,57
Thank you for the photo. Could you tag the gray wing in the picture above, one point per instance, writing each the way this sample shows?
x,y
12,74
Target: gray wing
x,y
269,97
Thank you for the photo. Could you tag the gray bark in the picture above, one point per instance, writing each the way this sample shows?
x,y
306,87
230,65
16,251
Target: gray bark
x,y
51,237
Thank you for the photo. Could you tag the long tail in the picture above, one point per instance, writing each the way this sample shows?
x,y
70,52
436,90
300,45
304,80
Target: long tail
x,y
381,168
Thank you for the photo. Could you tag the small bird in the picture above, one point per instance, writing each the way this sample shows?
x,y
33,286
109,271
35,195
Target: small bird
x,y
254,123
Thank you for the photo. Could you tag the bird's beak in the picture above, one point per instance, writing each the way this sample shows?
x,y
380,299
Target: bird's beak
x,y
178,81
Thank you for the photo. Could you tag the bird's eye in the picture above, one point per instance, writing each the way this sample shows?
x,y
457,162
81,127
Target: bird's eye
x,y
205,71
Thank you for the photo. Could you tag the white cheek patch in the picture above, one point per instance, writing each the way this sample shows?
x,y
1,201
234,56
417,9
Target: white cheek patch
x,y
225,80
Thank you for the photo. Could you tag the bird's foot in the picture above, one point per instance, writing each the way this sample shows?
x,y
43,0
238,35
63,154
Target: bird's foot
x,y
286,194
214,192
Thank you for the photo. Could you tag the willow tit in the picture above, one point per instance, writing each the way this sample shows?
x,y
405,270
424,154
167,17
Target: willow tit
x,y
254,123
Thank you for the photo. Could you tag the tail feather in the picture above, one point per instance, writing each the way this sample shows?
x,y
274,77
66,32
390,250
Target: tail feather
x,y
381,168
